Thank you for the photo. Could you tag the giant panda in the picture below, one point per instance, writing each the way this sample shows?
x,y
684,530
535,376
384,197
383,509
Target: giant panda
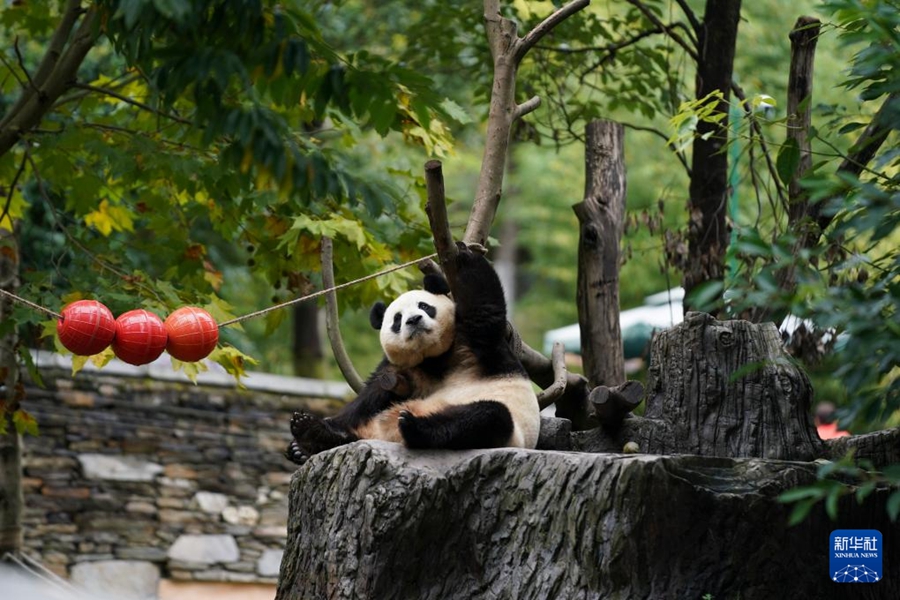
x,y
448,378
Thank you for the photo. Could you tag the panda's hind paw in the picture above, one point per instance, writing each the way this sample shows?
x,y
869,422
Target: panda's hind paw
x,y
301,422
294,454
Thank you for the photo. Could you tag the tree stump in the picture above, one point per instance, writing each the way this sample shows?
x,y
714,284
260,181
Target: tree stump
x,y
373,520
719,388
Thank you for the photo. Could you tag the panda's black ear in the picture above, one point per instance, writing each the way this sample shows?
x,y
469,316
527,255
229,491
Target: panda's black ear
x,y
436,284
376,315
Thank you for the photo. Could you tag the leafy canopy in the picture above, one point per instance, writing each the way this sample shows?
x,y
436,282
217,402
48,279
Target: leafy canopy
x,y
197,135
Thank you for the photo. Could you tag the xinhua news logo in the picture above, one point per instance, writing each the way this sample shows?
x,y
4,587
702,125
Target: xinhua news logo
x,y
856,556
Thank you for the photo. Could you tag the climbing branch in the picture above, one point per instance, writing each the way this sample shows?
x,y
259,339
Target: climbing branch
x,y
351,376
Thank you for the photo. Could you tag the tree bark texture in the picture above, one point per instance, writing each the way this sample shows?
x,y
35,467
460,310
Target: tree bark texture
x,y
11,493
707,230
799,107
601,217
373,520
719,388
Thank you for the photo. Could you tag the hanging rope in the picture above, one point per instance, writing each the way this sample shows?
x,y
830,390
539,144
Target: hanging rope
x,y
258,313
323,292
36,307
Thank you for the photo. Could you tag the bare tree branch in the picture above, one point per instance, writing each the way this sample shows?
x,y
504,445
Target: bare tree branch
x,y
55,49
546,26
507,51
332,323
691,49
691,17
31,107
764,146
131,101
12,189
526,107
22,65
560,373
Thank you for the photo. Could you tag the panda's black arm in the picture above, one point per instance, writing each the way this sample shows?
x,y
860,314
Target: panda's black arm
x,y
480,304
386,386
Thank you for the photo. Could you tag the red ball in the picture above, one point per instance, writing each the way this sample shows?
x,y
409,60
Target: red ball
x,y
193,334
86,328
140,337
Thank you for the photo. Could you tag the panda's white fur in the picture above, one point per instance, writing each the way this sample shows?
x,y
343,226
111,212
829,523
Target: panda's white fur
x,y
517,395
426,325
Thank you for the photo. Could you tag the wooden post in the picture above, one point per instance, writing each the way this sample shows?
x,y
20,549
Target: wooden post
x,y
601,217
11,495
804,37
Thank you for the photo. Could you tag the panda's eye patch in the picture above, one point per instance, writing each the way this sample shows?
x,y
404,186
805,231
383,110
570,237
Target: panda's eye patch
x,y
428,309
395,326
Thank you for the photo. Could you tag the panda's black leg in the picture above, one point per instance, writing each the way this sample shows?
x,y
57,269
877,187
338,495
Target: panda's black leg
x,y
482,424
314,434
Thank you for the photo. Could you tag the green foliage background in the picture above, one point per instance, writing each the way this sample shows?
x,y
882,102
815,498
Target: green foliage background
x,y
266,125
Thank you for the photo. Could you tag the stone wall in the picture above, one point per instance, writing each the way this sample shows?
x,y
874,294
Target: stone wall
x,y
134,479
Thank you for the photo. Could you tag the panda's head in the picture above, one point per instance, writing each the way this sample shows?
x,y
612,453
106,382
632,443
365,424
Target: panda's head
x,y
417,325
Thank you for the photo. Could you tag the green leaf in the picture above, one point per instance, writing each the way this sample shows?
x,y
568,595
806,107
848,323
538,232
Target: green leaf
x,y
864,490
893,506
831,501
25,423
32,369
800,493
455,112
788,160
800,512
707,295
274,320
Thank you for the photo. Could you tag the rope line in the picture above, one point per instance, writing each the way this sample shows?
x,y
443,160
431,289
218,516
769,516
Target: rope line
x,y
259,312
29,304
323,292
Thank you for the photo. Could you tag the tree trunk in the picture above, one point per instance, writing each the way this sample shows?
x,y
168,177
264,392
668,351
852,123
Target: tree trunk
x,y
308,354
601,217
11,494
505,262
707,230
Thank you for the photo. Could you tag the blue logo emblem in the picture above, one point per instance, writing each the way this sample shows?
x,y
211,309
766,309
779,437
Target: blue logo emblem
x,y
856,556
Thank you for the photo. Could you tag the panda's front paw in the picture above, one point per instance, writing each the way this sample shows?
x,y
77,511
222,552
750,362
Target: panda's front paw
x,y
295,454
411,429
468,255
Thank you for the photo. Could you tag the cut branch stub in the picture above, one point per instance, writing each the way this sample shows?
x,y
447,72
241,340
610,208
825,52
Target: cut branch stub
x,y
612,404
436,209
799,106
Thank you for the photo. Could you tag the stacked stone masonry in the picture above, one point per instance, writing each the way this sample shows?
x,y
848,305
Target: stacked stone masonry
x,y
133,474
